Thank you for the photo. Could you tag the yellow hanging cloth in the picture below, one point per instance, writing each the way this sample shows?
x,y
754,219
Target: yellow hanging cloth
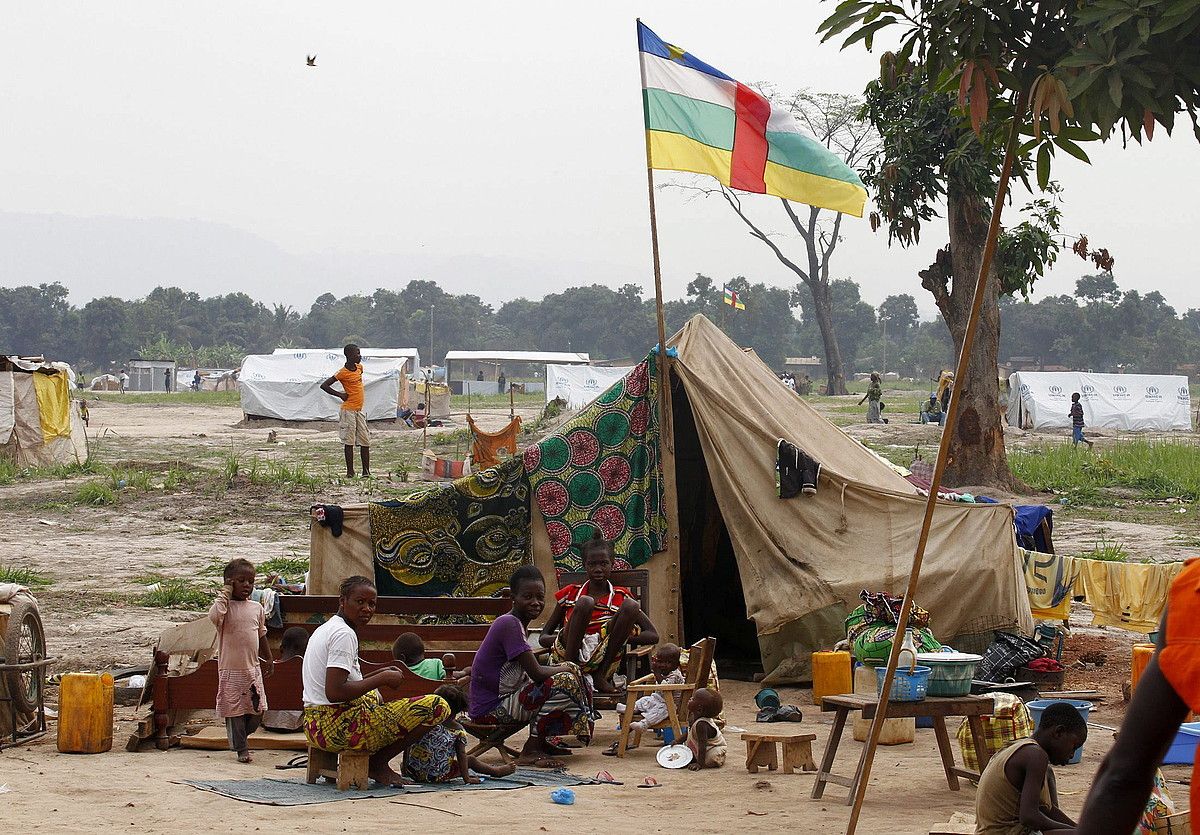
x,y
488,444
1049,579
54,405
1128,595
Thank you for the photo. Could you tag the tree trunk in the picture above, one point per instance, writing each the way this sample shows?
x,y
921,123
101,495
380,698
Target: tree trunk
x,y
977,455
823,310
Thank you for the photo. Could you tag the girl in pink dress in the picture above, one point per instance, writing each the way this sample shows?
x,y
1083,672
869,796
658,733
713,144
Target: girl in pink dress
x,y
243,656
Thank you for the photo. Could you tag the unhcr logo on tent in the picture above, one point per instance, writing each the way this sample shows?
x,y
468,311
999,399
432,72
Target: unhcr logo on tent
x,y
591,383
1184,397
1120,393
1088,390
1152,393
1055,391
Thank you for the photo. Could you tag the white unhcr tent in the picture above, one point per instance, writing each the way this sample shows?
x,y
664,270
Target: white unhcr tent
x,y
411,354
288,386
579,385
1128,402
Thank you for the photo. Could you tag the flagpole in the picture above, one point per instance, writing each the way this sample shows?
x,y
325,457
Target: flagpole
x,y
662,370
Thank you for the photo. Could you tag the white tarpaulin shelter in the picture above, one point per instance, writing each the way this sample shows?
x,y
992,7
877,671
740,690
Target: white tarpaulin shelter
x,y
40,423
579,385
1131,402
288,386
411,354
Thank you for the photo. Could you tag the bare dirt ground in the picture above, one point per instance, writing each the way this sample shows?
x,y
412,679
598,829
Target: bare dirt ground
x,y
907,793
100,559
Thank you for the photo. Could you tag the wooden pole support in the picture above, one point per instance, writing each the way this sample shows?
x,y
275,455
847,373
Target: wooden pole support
x,y
960,373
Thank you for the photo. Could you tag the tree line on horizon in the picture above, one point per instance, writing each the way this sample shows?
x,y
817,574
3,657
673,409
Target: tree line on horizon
x,y
1100,327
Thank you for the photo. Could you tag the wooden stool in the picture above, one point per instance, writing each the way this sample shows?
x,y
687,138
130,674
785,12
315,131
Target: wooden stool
x,y
761,751
346,768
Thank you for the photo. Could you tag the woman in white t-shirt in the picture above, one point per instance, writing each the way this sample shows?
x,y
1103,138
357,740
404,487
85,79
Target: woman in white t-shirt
x,y
342,710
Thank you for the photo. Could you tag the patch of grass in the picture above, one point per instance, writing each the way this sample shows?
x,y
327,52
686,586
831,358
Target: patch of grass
x,y
1106,551
95,494
458,402
176,594
282,475
127,478
1156,469
290,567
182,398
23,576
8,471
231,465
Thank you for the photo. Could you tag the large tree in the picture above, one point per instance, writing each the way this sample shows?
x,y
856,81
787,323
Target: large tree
x,y
833,120
1055,71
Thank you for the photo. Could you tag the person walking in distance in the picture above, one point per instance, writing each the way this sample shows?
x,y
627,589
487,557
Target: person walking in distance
x,y
352,423
1076,415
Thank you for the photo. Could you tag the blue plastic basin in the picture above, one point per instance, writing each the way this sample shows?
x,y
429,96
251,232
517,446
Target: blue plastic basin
x,y
1038,705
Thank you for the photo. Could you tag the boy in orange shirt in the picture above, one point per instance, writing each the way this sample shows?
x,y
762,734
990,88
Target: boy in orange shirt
x,y
352,423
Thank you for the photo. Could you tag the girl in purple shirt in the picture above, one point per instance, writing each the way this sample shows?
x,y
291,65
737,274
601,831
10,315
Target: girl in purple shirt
x,y
510,687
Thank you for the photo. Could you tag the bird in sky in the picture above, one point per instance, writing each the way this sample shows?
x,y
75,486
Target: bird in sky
x,y
312,60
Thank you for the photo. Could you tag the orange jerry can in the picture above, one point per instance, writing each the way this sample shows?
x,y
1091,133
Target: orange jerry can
x,y
85,713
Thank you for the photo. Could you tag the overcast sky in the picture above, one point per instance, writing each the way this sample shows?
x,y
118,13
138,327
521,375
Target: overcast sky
x,y
494,147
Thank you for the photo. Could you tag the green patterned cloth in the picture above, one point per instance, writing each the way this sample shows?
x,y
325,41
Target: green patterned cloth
x,y
461,539
600,471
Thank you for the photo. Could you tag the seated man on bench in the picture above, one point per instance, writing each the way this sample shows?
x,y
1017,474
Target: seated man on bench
x,y
592,621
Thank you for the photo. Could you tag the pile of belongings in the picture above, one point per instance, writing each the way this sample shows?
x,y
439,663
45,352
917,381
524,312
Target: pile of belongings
x,y
1007,652
871,627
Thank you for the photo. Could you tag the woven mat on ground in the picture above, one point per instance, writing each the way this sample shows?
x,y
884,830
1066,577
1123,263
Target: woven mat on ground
x,y
462,539
272,791
600,472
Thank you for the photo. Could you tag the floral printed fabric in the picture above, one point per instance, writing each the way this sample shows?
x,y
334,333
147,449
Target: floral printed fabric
x,y
601,472
462,539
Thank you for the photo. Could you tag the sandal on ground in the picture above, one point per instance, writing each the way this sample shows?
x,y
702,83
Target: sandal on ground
x,y
649,783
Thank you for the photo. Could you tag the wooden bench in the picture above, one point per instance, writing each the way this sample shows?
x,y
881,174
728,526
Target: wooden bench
x,y
346,768
285,689
761,751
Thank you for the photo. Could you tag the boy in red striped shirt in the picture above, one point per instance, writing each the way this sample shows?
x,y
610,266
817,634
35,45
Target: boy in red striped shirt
x,y
592,621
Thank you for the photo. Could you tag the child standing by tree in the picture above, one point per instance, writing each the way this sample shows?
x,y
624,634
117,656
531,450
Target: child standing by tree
x,y
352,423
241,649
1076,415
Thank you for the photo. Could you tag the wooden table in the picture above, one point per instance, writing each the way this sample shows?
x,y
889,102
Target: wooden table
x,y
935,707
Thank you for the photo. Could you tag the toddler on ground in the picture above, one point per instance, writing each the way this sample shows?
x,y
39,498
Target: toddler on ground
x,y
704,736
441,755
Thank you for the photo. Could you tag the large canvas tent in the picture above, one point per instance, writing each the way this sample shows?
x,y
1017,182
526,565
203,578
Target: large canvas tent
x,y
769,577
288,386
40,425
1128,402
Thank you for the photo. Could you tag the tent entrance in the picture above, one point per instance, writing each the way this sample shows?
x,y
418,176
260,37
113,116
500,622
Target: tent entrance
x,y
711,594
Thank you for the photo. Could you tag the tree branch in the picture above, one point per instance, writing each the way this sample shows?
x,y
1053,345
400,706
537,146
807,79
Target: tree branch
x,y
736,205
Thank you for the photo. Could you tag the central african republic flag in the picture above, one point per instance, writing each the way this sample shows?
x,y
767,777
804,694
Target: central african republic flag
x,y
699,119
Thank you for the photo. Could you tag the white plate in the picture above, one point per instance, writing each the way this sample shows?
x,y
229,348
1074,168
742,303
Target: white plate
x,y
674,756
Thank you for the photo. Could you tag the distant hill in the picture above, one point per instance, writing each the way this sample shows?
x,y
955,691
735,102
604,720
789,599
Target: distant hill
x,y
129,257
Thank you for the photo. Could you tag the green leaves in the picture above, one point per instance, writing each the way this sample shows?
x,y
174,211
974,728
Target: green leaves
x,y
1043,165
